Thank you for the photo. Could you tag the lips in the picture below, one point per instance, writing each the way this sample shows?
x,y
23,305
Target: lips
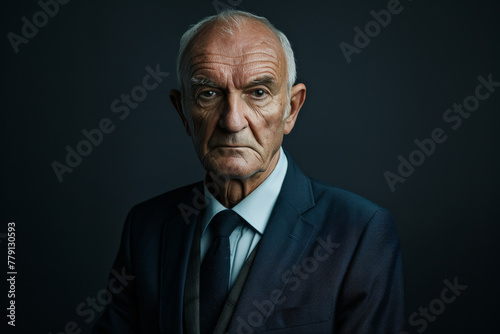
x,y
229,145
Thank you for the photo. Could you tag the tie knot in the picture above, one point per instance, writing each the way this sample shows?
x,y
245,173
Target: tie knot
x,y
225,222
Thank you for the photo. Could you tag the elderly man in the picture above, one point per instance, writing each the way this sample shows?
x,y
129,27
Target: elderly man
x,y
257,247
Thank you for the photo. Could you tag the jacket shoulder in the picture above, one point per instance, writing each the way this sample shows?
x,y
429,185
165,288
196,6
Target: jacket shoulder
x,y
345,206
324,191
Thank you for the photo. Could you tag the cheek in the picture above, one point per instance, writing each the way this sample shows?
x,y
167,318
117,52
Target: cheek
x,y
203,126
269,130
271,117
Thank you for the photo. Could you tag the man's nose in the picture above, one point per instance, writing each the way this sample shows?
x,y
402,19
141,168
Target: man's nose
x,y
233,116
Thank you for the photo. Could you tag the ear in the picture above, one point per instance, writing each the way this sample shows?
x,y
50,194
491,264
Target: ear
x,y
297,98
176,99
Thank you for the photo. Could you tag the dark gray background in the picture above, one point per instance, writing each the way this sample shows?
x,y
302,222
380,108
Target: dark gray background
x,y
357,119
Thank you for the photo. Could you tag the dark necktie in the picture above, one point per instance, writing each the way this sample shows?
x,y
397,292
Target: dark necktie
x,y
214,271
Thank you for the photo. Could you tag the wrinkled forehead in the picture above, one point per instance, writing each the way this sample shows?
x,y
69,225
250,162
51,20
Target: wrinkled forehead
x,y
249,46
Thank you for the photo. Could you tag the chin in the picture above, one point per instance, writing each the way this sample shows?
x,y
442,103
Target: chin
x,y
232,167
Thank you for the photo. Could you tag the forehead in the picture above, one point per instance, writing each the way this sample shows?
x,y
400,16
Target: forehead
x,y
250,50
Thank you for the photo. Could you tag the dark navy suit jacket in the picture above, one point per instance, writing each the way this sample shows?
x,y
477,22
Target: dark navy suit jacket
x,y
329,261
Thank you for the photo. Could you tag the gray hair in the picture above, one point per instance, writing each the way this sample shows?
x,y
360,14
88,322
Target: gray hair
x,y
233,18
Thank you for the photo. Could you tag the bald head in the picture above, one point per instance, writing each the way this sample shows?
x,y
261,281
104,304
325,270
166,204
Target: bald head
x,y
233,26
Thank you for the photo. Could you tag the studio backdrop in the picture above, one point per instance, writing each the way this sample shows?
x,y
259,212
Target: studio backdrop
x,y
403,108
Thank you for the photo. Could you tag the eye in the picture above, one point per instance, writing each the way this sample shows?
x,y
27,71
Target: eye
x,y
259,93
208,94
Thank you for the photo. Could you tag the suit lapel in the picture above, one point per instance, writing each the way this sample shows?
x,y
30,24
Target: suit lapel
x,y
283,243
177,238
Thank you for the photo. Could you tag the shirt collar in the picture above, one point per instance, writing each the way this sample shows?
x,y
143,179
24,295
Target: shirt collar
x,y
256,208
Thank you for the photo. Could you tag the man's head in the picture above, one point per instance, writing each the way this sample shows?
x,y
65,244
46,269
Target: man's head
x,y
237,99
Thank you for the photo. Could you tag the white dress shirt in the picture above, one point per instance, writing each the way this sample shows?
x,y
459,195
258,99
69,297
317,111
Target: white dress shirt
x,y
256,209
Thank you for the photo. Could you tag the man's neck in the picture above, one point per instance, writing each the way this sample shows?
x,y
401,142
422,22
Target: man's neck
x,y
231,191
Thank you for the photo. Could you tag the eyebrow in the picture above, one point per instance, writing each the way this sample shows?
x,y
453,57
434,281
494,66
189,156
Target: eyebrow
x,y
265,80
197,82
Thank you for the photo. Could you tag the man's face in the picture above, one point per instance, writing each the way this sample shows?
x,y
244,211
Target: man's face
x,y
235,100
